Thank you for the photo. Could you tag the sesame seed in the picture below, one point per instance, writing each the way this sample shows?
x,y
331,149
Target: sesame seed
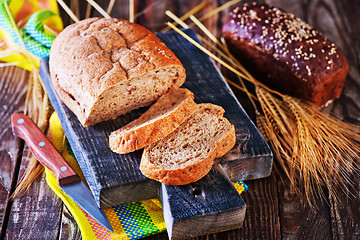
x,y
253,14
332,51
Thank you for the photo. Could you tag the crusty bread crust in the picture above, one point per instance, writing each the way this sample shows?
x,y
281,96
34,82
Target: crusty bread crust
x,y
182,176
187,173
154,124
286,53
103,68
226,143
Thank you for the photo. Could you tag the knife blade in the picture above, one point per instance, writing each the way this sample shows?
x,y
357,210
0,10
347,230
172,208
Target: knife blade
x,y
24,127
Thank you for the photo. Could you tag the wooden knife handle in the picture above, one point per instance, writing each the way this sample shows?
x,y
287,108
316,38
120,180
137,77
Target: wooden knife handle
x,y
41,147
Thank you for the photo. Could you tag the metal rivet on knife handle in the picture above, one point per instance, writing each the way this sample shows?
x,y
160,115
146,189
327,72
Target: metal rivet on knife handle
x,y
20,121
47,154
42,148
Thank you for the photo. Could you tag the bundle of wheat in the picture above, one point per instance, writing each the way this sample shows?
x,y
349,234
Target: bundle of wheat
x,y
314,150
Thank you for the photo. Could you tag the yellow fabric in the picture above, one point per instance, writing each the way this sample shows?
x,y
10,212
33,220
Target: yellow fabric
x,y
129,221
153,207
21,10
56,136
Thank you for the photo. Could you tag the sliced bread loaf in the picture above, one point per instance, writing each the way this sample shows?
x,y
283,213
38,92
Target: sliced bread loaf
x,y
187,154
103,68
162,118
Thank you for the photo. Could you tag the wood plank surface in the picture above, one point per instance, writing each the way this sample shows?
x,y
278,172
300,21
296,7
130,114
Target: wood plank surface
x,y
209,205
37,212
263,206
337,21
35,215
13,85
272,213
110,175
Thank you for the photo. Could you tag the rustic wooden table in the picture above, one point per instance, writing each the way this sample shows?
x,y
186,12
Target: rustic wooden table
x,y
272,213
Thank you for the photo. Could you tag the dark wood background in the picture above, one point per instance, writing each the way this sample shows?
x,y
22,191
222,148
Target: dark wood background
x,y
272,213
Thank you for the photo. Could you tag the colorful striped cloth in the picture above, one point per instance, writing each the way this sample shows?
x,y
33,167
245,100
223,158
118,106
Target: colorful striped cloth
x,y
129,221
34,19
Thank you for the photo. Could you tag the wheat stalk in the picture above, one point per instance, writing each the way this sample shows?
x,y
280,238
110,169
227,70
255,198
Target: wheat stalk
x,y
98,8
185,16
110,6
37,107
68,10
37,104
315,151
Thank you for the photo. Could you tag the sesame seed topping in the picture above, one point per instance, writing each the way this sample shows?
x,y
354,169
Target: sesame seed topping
x,y
285,36
253,14
332,51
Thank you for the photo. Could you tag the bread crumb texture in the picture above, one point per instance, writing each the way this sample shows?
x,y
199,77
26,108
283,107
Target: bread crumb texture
x,y
162,118
187,154
103,68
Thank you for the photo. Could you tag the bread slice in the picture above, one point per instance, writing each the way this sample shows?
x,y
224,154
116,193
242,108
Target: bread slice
x,y
162,118
188,153
103,68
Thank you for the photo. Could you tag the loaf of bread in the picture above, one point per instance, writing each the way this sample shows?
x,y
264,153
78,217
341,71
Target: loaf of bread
x,y
187,154
162,118
285,53
103,68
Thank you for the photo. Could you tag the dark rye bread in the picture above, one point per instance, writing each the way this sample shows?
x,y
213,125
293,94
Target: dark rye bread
x,y
162,118
285,53
103,68
187,154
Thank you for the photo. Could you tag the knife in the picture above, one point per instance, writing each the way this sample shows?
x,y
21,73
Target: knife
x,y
46,153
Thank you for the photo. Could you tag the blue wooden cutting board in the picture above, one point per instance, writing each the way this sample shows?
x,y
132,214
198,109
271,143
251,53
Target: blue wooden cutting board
x,y
115,178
